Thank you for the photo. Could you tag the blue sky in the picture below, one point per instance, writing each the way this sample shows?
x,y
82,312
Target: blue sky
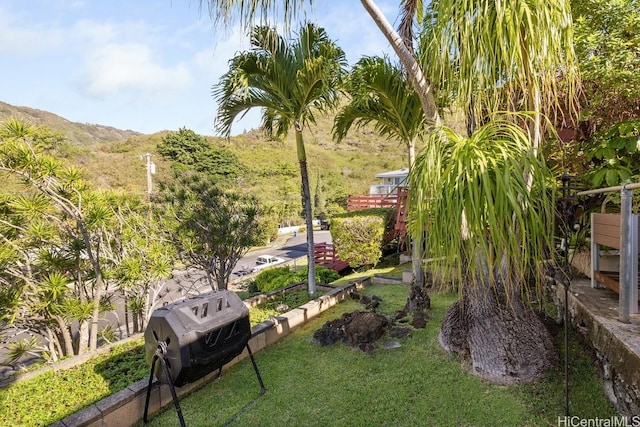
x,y
142,65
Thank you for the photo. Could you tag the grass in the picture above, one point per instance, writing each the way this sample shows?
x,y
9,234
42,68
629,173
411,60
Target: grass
x,y
53,395
416,384
30,402
267,309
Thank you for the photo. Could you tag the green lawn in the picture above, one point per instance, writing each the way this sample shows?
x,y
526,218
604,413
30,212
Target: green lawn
x,y
417,384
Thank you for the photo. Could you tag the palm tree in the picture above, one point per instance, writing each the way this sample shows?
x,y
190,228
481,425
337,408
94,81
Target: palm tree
x,y
248,10
490,56
510,55
486,55
491,188
380,94
291,83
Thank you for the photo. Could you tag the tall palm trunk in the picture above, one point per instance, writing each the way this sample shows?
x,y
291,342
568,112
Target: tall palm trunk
x,y
420,82
306,195
417,256
423,88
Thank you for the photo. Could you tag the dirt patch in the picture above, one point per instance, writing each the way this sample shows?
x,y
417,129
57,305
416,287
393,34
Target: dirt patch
x,y
363,329
356,329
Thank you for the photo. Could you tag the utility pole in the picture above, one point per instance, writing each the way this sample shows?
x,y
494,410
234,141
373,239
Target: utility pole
x,y
151,169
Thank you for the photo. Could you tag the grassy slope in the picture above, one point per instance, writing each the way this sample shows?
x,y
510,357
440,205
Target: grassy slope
x,y
416,384
111,157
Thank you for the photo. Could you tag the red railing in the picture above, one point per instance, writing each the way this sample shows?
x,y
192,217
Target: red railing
x,y
325,255
398,200
358,203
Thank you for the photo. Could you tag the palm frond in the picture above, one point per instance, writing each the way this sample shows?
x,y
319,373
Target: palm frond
x,y
483,199
248,11
486,52
380,95
289,81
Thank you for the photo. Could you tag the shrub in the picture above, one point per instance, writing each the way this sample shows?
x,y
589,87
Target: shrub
x,y
359,236
53,395
325,275
266,279
279,277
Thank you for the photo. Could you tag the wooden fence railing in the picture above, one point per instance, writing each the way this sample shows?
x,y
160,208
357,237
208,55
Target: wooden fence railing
x,y
325,255
605,231
360,202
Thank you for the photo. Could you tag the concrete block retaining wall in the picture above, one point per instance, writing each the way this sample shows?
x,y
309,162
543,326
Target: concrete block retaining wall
x,y
615,344
126,407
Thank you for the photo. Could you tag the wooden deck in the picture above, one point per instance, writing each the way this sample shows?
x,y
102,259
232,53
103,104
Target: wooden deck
x,y
397,200
361,202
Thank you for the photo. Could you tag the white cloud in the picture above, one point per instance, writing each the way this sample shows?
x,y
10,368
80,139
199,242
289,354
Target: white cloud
x,y
23,40
88,32
131,69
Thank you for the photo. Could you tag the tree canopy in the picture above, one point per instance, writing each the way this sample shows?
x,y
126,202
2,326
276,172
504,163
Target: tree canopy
x,y
213,228
607,40
191,151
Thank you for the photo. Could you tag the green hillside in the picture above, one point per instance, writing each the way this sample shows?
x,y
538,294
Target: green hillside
x,y
111,158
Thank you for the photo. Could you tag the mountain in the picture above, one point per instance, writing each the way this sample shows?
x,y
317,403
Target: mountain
x,y
81,133
113,158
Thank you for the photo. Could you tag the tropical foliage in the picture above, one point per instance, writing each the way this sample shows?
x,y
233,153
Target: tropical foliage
x,y
62,244
190,151
482,200
607,40
292,82
508,55
613,155
213,227
380,94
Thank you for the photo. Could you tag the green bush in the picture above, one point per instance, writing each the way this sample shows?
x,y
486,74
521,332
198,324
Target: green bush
x,y
279,277
325,275
266,279
54,395
271,308
359,236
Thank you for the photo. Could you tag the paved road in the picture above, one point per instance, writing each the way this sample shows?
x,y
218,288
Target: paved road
x,y
290,248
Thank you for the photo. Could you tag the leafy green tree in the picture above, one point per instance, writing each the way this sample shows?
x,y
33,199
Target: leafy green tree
x,y
62,218
64,202
140,256
61,245
291,82
191,151
214,228
607,41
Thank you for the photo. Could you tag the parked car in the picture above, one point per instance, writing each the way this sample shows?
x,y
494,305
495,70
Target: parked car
x,y
265,261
